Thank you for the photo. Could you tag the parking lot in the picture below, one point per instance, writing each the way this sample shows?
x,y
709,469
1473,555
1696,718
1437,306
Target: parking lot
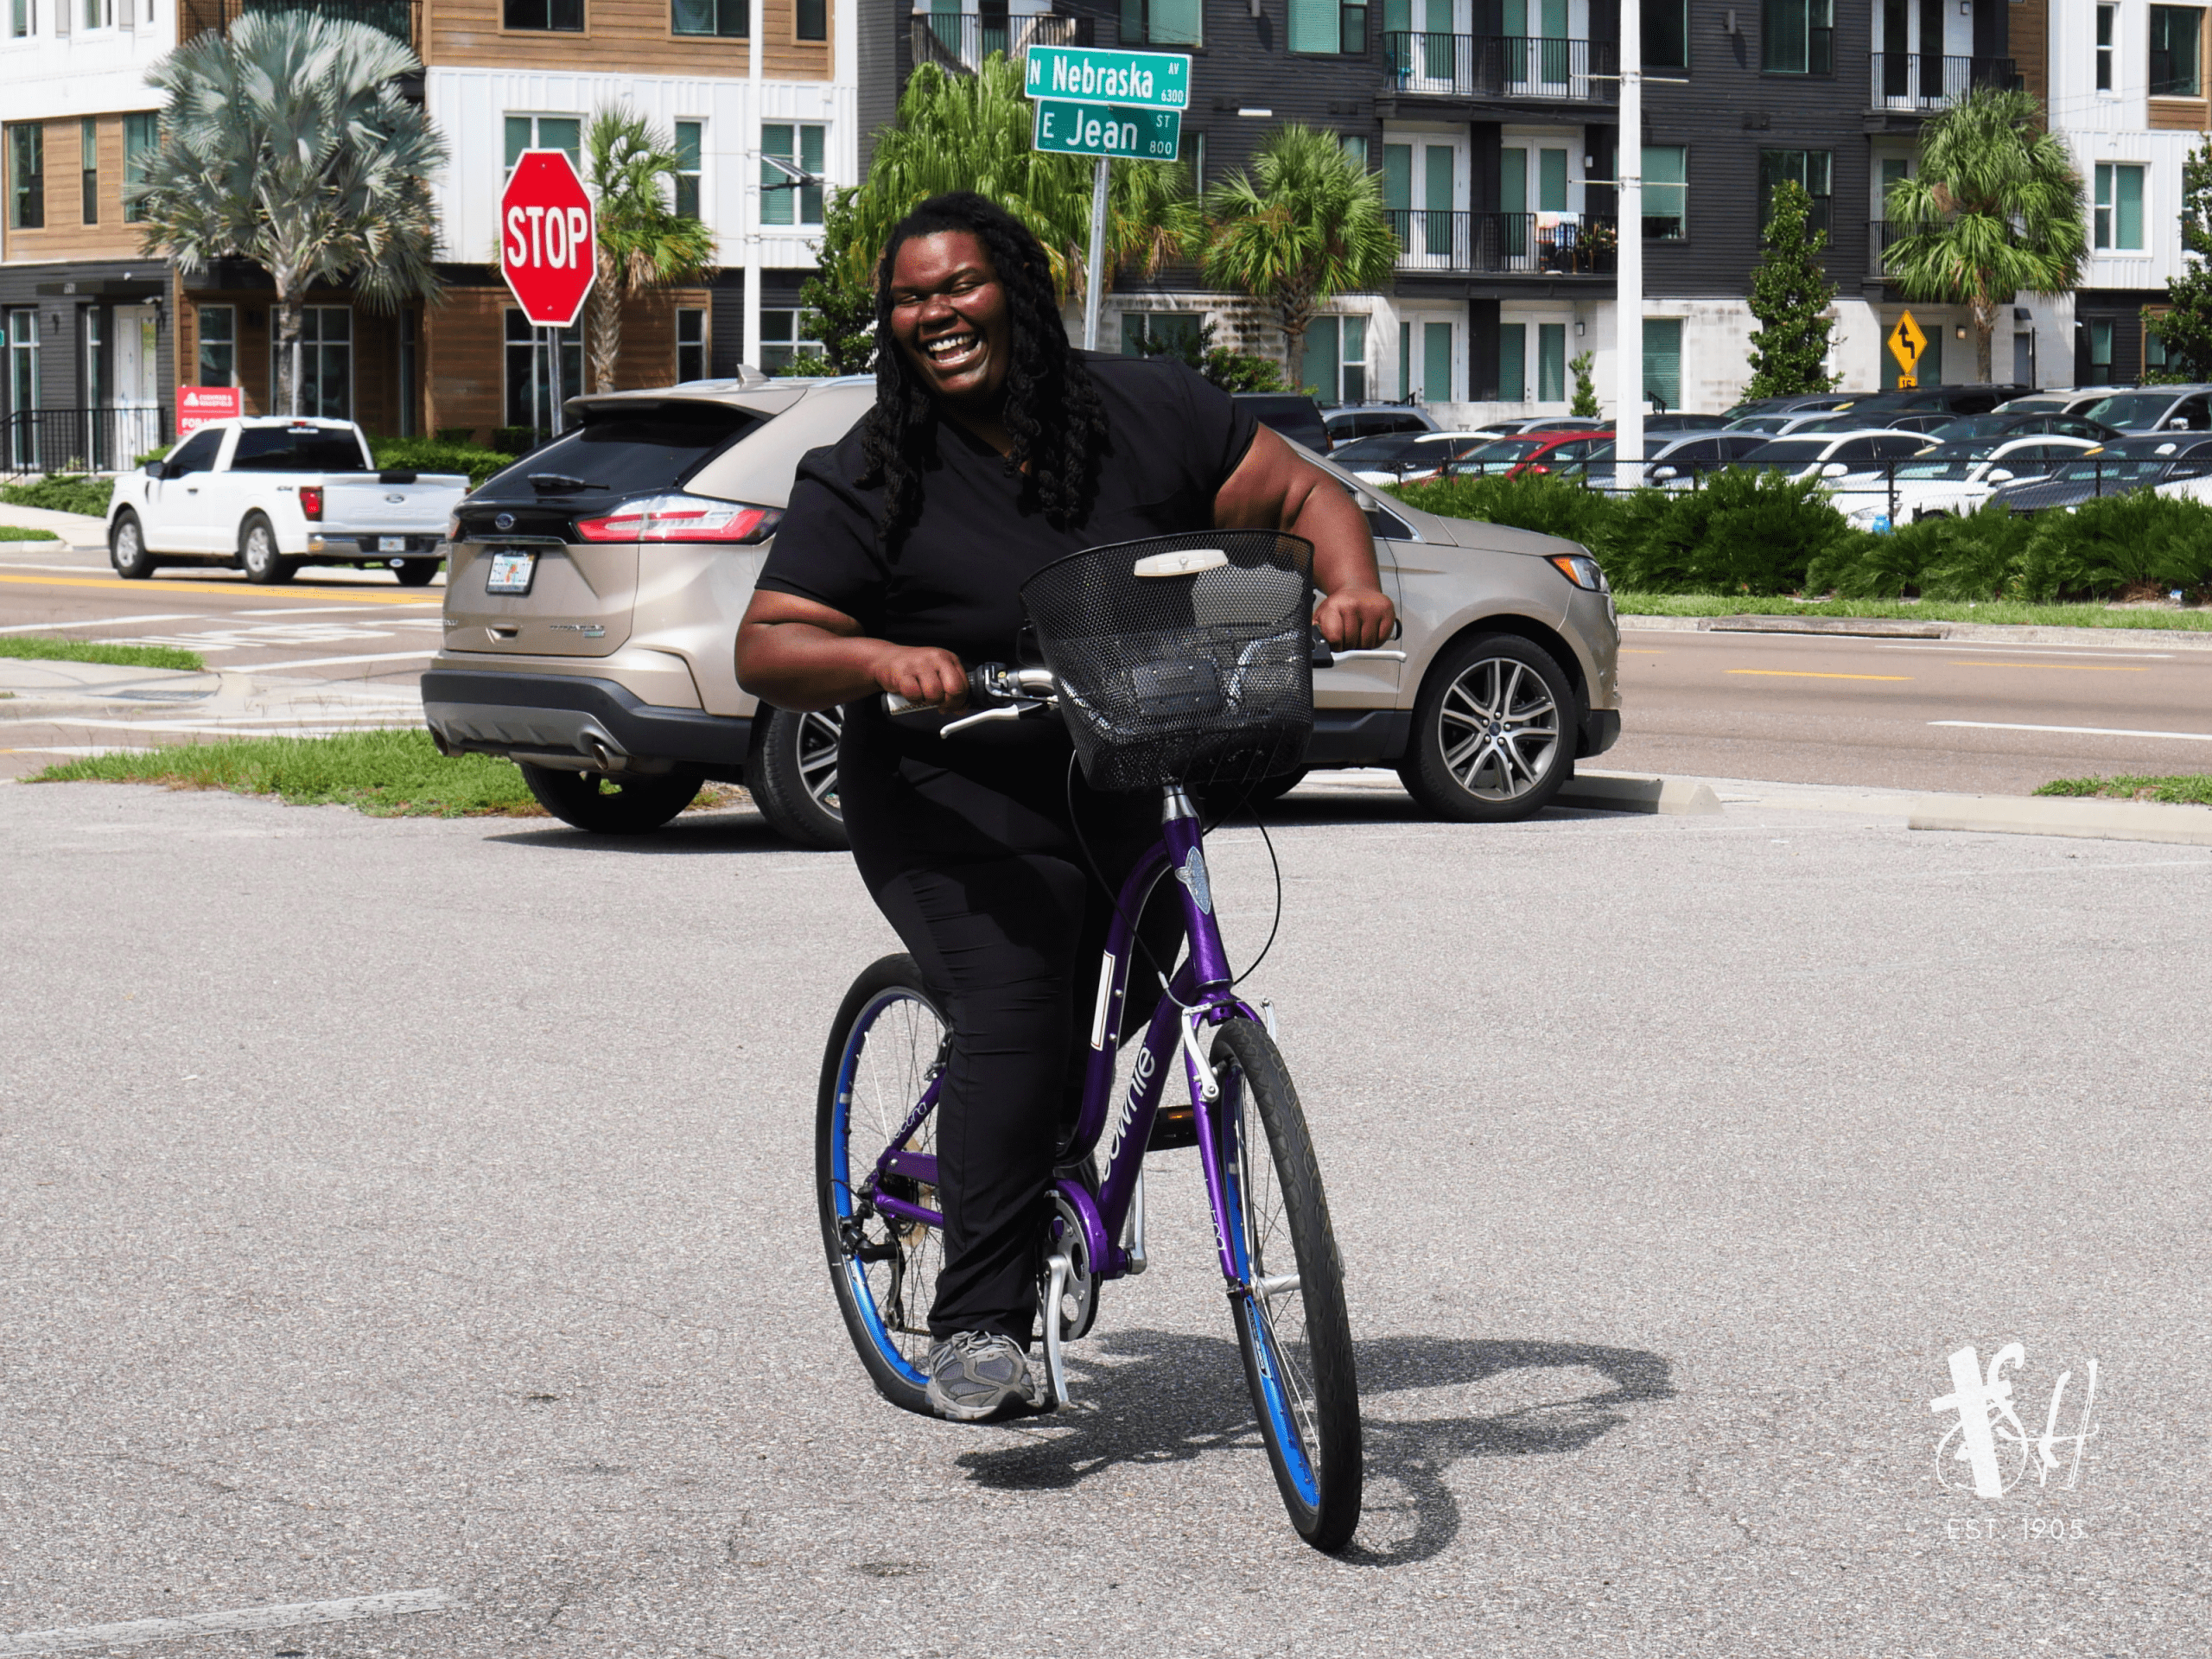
x,y
417,1206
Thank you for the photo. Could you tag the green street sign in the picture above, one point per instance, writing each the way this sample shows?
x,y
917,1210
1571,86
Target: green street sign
x,y
1158,80
1108,130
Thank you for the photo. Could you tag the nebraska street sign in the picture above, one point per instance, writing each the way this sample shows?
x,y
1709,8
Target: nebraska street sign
x,y
1906,343
1159,81
1109,130
547,244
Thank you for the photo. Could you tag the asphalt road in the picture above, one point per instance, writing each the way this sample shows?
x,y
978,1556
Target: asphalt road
x,y
425,1206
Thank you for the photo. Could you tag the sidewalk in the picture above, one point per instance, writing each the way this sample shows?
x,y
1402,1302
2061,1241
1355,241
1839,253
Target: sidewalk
x,y
1884,628
78,530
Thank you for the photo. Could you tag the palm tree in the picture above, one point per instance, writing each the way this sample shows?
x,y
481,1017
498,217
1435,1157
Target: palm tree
x,y
1997,208
1307,225
286,141
643,243
972,132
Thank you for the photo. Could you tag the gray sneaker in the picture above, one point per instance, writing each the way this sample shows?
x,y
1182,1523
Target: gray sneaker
x,y
975,1374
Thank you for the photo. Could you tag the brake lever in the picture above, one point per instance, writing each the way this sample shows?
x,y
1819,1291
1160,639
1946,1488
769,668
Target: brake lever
x,y
1005,711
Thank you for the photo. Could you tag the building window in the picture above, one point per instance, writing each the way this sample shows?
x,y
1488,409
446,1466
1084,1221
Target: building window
x,y
1551,180
2154,349
812,19
1328,27
560,132
1663,362
2176,39
567,16
690,343
2120,208
1336,359
798,145
326,362
1512,362
1170,332
21,23
2100,352
529,406
140,134
1811,170
1797,37
786,336
1551,362
96,380
22,385
1355,145
100,14
1436,363
1666,193
687,167
731,19
1163,23
88,169
1666,35
2107,18
218,345
27,177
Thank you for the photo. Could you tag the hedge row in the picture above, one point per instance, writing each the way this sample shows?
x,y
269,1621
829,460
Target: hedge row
x,y
1758,533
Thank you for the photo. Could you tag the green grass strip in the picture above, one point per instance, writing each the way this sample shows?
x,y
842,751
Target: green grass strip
x,y
387,774
95,651
2003,611
2192,789
20,533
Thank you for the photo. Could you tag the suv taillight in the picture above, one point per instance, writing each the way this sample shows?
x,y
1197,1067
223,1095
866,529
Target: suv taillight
x,y
682,519
311,500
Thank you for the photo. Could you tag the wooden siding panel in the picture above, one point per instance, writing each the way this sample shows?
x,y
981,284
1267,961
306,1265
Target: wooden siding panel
x,y
66,236
632,36
2179,114
2027,44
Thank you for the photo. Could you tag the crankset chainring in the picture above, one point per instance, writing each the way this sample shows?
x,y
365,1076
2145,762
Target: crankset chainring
x,y
1079,1296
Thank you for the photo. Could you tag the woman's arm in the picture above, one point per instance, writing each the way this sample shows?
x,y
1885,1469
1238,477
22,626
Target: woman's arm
x,y
801,656
1274,488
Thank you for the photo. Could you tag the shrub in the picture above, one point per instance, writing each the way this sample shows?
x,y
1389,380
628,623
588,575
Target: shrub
x,y
1742,533
2118,544
62,492
439,455
1975,557
1532,501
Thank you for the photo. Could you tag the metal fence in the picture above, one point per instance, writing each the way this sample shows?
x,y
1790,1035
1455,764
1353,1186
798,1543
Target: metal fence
x,y
1527,244
1504,66
1908,81
960,40
38,441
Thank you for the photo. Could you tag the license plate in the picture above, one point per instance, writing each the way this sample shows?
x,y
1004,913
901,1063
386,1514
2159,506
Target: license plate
x,y
510,572
389,544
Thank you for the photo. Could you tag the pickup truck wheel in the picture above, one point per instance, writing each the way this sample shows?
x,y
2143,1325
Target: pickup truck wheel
x,y
257,554
416,573
126,548
1493,738
611,806
792,774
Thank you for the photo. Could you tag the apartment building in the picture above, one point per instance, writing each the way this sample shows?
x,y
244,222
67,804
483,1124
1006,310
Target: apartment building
x,y
758,95
1495,126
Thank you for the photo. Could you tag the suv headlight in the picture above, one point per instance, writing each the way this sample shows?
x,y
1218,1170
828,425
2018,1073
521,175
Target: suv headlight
x,y
1582,570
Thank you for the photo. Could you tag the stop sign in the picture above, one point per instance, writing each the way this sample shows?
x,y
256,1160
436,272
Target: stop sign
x,y
547,248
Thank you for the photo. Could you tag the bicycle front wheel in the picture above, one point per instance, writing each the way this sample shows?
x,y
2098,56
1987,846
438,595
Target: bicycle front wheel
x,y
887,1047
1291,1322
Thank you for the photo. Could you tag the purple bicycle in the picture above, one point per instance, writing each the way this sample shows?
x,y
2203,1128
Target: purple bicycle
x,y
1176,662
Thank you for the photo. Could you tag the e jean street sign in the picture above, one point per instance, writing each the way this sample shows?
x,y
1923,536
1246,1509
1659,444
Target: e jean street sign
x,y
1159,81
1108,130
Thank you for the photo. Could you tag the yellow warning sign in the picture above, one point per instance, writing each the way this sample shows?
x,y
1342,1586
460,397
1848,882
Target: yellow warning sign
x,y
1906,343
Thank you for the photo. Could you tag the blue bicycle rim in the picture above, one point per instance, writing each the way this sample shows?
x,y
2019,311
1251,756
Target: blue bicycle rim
x,y
1275,1400
841,1125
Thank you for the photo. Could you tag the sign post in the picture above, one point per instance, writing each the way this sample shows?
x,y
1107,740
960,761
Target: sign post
x,y
548,246
1128,104
1906,343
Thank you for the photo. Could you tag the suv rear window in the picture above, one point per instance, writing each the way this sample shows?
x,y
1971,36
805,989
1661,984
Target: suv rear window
x,y
635,447
297,449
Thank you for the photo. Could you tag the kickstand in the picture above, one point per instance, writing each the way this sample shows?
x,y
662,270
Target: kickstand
x,y
1056,1376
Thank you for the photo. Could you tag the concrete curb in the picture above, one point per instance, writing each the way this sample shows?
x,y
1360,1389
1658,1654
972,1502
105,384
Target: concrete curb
x,y
2045,815
1621,792
2014,634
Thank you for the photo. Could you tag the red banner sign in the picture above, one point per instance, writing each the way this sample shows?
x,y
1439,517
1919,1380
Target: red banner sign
x,y
197,405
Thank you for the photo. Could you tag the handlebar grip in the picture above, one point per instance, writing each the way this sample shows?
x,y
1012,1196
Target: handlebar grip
x,y
895,705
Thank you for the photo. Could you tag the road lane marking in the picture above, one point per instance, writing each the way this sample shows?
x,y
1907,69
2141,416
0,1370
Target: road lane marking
x,y
107,622
1807,674
2077,731
2025,651
2062,668
200,589
316,610
332,662
290,1615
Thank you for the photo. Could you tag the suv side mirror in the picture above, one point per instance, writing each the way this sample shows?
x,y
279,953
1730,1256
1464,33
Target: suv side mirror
x,y
2001,474
1664,472
1835,469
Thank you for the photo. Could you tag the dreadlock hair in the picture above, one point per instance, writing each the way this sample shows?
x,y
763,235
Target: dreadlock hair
x,y
1052,405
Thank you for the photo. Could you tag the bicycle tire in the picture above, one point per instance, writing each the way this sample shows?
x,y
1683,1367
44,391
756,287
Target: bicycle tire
x,y
885,1276
1296,1343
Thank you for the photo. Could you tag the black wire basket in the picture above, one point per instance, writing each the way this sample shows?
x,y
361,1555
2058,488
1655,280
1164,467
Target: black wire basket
x,y
1182,660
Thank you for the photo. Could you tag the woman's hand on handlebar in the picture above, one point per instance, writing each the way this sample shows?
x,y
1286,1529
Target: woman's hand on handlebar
x,y
924,675
1356,617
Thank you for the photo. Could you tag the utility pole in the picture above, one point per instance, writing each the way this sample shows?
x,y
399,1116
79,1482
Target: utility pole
x,y
1628,259
749,200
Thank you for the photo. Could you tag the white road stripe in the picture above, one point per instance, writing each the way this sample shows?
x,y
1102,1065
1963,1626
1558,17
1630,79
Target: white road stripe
x,y
2031,651
105,622
2077,731
332,662
316,610
285,1617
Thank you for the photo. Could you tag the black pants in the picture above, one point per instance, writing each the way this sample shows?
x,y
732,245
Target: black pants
x,y
979,871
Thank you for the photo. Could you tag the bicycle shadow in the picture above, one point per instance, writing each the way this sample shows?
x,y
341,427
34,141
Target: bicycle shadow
x,y
1171,1398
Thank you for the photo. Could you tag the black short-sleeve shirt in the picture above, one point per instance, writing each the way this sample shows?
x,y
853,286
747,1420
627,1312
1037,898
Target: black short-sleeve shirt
x,y
1172,440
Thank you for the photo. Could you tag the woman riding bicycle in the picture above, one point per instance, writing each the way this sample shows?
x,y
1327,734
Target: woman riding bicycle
x,y
995,449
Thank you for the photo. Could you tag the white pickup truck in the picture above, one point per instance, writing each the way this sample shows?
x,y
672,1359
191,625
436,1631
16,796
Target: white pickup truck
x,y
268,493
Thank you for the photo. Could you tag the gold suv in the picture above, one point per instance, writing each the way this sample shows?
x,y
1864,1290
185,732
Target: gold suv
x,y
595,587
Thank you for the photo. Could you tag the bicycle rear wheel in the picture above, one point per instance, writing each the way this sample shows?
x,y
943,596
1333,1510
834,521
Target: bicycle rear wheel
x,y
887,1044
1292,1325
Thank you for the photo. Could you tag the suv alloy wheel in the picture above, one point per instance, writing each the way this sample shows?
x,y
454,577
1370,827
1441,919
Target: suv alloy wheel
x,y
1494,732
793,776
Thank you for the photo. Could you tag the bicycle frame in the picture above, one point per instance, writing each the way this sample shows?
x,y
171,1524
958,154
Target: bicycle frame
x,y
1199,995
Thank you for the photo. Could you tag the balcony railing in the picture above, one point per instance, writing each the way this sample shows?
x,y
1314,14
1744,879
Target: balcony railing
x,y
1906,81
1504,66
36,441
1880,233
961,41
395,17
1536,244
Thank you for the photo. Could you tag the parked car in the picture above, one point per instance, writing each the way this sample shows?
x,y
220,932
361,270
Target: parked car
x,y
590,628
1403,457
2129,408
2149,460
1798,403
270,493
1674,463
1521,425
1779,422
1669,425
1971,428
1925,421
1876,407
1294,414
1832,454
1950,479
1533,452
1352,422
